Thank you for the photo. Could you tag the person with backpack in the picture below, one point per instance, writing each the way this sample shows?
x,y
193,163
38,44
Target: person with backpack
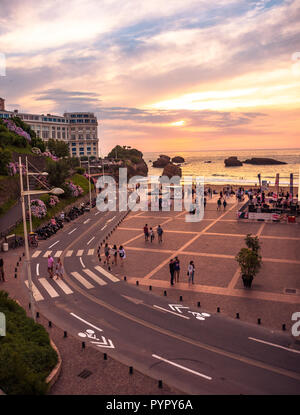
x,y
191,272
159,233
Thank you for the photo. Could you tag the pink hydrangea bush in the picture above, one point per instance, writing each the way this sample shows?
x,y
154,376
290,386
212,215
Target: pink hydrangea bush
x,y
53,201
13,168
50,155
18,130
76,190
38,208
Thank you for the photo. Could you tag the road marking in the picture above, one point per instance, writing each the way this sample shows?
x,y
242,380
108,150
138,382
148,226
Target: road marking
x,y
58,254
51,291
46,254
110,220
176,307
64,286
37,269
86,221
172,312
80,259
90,240
79,252
103,227
69,253
182,367
91,251
107,274
82,280
133,300
95,277
36,294
72,231
86,322
275,345
105,343
36,254
53,244
97,213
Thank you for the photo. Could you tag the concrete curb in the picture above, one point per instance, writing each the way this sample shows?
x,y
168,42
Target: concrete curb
x,y
53,376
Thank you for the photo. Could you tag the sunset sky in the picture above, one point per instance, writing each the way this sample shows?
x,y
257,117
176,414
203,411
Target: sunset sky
x,y
160,75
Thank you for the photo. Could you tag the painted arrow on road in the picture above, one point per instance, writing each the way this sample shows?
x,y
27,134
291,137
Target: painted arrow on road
x,y
177,307
105,343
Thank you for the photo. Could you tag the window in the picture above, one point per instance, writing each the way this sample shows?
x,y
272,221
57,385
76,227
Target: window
x,y
80,137
58,134
81,144
74,144
87,121
63,135
81,153
88,148
81,148
87,136
73,128
73,137
53,133
45,134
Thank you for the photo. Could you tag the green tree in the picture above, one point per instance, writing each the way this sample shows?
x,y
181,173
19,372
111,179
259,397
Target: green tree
x,y
57,171
58,148
5,158
125,153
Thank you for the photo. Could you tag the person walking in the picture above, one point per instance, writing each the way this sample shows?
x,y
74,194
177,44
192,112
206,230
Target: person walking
x,y
106,253
172,270
219,203
50,266
152,236
224,204
204,202
2,270
122,254
114,253
191,272
159,233
146,232
59,269
176,269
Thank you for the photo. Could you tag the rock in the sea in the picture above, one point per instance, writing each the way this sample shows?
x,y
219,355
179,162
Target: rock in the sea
x,y
178,159
171,170
232,162
162,161
263,161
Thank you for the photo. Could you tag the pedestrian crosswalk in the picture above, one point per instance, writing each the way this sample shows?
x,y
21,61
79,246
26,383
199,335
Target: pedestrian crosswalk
x,y
43,288
57,254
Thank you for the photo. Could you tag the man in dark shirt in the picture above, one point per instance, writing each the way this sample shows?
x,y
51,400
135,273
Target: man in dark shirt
x,y
2,270
172,270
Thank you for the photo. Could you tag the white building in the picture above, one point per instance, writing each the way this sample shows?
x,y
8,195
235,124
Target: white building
x,y
78,129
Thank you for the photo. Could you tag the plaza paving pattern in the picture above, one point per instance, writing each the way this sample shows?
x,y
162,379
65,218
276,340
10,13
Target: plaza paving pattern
x,y
213,244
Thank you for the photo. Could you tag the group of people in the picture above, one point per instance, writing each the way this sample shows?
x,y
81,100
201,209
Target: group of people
x,y
174,267
55,268
113,252
150,233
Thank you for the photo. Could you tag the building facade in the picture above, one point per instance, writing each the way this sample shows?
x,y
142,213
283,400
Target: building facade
x,y
78,129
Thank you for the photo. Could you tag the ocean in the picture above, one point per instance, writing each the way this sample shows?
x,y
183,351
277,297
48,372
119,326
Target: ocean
x,y
215,172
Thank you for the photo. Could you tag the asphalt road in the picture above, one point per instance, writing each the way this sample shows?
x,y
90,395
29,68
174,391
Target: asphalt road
x,y
193,351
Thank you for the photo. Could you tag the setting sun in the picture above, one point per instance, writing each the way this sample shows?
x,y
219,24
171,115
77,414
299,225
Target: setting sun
x,y
178,123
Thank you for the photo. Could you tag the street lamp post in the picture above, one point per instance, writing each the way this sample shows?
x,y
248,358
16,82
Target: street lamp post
x,y
29,201
27,255
89,172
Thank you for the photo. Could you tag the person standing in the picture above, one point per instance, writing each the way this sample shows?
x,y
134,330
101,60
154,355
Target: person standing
x,y
59,269
224,204
2,270
159,233
50,266
114,253
219,203
172,270
191,272
122,254
152,236
106,253
177,269
146,232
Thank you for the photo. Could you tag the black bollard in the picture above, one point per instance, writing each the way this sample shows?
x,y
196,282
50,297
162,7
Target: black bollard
x,y
29,305
83,345
165,293
108,268
37,314
237,315
20,259
258,321
180,298
15,275
130,370
50,324
104,356
218,309
160,385
283,327
23,253
65,334
125,278
17,264
198,304
16,269
150,287
137,283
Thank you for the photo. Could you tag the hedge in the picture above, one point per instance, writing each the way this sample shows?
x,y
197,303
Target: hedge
x,y
26,356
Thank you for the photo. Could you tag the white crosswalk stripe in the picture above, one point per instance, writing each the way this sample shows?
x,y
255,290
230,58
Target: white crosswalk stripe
x,y
36,254
82,280
79,252
46,254
66,289
69,253
95,277
57,254
106,274
48,287
36,294
91,251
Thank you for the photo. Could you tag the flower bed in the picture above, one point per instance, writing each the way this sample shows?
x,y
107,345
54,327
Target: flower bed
x,y
17,130
13,168
75,190
38,208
